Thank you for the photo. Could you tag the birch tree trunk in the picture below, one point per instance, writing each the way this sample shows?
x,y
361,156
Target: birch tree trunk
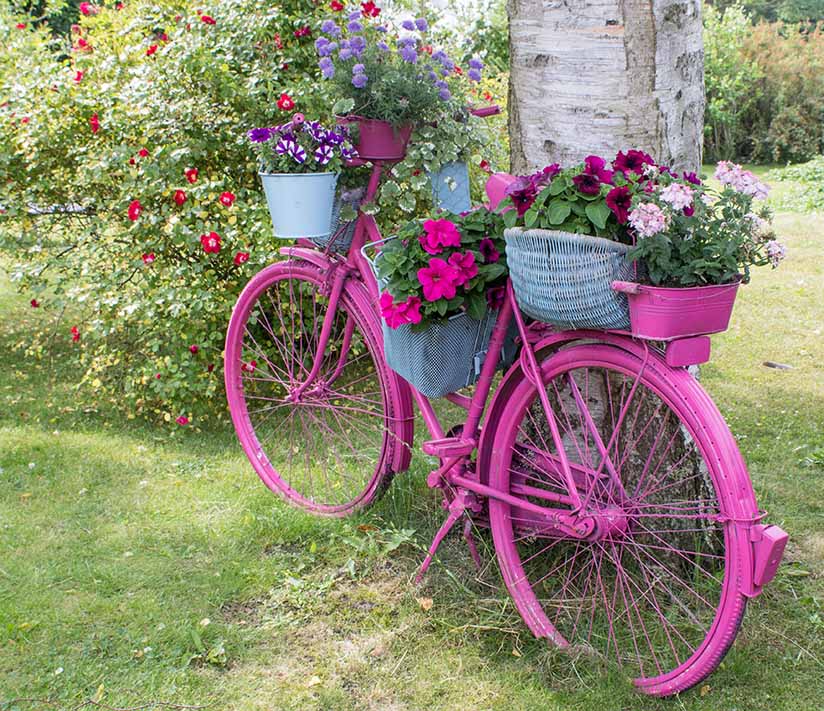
x,y
598,76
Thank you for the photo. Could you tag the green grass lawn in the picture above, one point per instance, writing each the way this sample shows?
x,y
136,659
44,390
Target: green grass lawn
x,y
140,566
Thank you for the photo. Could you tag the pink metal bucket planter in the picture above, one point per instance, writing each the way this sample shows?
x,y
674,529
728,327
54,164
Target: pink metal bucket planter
x,y
380,140
664,314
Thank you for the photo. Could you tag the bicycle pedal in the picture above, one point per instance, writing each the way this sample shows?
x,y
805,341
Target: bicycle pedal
x,y
449,447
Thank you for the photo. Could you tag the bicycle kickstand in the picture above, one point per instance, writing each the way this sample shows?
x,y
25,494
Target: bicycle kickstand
x,y
457,508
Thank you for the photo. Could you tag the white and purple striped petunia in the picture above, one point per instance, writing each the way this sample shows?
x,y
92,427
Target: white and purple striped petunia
x,y
324,153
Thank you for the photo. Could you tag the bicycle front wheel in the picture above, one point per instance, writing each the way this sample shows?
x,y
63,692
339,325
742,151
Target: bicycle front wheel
x,y
326,444
655,587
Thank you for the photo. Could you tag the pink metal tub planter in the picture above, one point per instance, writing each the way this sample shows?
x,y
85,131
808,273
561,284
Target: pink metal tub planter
x,y
379,140
300,164
663,314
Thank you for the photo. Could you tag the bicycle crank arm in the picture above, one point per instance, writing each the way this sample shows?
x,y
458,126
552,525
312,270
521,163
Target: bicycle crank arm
x,y
546,519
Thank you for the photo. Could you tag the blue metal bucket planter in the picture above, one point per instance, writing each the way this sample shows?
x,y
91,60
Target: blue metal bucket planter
x,y
300,204
450,187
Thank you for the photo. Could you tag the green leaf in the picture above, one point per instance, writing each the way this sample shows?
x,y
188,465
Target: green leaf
x,y
476,306
558,212
510,218
530,218
598,213
343,106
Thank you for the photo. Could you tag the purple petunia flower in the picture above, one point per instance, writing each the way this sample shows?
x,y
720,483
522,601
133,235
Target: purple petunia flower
x,y
259,135
330,28
359,81
408,25
691,177
444,94
324,153
334,139
348,153
327,68
298,154
422,24
285,146
474,75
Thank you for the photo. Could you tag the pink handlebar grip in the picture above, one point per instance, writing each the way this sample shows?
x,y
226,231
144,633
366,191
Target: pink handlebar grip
x,y
485,111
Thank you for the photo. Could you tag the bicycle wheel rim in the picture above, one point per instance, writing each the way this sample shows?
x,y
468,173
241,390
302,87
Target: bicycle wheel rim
x,y
706,649
359,471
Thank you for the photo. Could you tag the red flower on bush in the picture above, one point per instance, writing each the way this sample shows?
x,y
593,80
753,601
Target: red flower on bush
x,y
94,122
135,208
22,25
119,6
143,153
78,77
369,9
75,334
241,258
82,45
180,197
487,96
485,167
278,41
25,120
35,304
210,242
86,8
152,49
227,199
193,349
633,161
304,31
182,420
286,102
191,174
207,19
336,6
249,367
210,367
149,258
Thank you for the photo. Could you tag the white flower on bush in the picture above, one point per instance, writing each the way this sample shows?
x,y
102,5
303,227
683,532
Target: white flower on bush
x,y
776,252
677,195
648,219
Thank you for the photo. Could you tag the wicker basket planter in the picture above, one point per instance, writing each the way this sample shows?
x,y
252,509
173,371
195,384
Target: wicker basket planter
x,y
566,279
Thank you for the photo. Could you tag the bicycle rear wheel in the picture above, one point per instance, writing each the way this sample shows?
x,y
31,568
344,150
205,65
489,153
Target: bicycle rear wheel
x,y
655,588
328,448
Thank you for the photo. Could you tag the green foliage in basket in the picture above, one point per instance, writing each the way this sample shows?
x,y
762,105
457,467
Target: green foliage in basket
x,y
440,267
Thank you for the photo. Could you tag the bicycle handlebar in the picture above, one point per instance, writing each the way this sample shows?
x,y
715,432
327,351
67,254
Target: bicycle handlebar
x,y
486,111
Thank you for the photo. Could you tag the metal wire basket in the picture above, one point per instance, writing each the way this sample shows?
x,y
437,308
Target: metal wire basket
x,y
566,279
342,233
443,357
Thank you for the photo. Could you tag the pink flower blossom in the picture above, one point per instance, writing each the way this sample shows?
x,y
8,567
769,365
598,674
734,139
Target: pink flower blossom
x,y
86,8
397,314
740,180
439,234
648,219
678,195
182,420
439,280
193,349
149,258
135,208
776,252
465,267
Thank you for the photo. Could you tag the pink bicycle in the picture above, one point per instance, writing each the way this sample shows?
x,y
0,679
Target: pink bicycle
x,y
622,514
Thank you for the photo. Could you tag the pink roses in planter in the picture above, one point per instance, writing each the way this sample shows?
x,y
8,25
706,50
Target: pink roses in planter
x,y
441,267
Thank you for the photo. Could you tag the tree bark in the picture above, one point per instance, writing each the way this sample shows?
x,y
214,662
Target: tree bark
x,y
599,76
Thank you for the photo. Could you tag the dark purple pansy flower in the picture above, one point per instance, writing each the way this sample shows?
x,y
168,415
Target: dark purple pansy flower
x,y
259,135
595,165
619,200
691,177
488,251
523,192
587,183
495,297
689,210
633,161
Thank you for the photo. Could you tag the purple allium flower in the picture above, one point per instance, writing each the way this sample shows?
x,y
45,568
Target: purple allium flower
x,y
330,28
444,95
408,25
357,44
441,84
327,68
324,153
407,42
439,55
360,80
422,24
432,76
474,75
259,135
358,69
354,15
355,26
346,53
321,42
409,54
383,47
475,63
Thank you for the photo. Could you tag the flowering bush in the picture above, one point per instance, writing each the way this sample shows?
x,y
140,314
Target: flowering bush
x,y
685,234
379,73
443,266
300,146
